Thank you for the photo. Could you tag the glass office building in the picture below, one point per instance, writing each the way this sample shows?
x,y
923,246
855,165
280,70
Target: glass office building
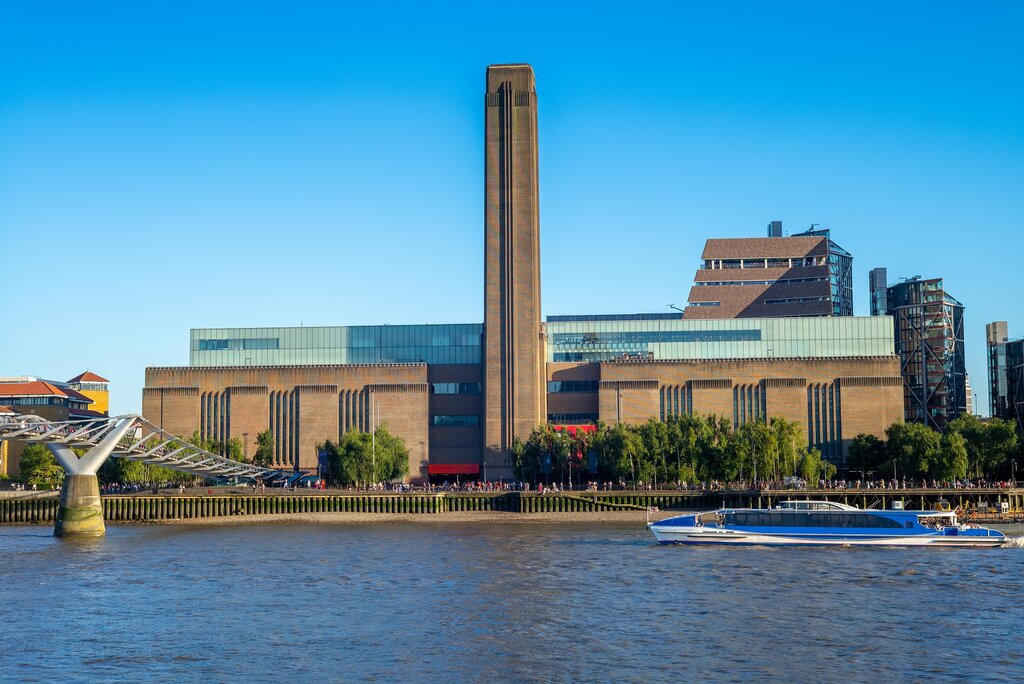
x,y
432,344
660,337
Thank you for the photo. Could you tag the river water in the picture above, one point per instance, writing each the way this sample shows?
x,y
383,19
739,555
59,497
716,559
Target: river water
x,y
481,602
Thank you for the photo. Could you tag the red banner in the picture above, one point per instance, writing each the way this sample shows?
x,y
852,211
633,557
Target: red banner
x,y
453,469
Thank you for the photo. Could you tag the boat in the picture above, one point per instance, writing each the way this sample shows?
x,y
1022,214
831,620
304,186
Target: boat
x,y
823,523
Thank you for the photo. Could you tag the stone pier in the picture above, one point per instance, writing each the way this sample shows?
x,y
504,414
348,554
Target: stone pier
x,y
80,513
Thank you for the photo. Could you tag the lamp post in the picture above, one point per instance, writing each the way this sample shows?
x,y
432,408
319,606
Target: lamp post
x,y
894,470
1013,471
673,306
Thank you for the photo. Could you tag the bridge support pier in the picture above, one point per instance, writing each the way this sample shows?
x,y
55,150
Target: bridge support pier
x,y
80,513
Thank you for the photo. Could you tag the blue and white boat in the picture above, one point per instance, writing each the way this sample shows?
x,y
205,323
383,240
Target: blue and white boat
x,y
823,522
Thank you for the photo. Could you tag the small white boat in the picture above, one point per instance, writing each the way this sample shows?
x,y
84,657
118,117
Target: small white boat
x,y
823,523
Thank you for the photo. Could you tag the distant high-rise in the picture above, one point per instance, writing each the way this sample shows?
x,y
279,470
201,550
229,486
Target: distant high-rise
x,y
878,287
930,343
996,337
1005,374
514,388
804,275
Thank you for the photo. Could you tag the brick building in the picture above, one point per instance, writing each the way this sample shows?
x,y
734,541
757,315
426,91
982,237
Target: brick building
x,y
458,394
804,275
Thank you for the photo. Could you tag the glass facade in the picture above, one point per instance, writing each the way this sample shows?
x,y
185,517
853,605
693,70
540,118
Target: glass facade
x,y
455,388
433,344
1015,381
459,421
605,338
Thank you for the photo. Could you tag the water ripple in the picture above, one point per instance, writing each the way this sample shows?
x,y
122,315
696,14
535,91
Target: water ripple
x,y
503,602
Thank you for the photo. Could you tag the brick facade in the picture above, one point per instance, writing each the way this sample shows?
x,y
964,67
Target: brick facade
x,y
301,405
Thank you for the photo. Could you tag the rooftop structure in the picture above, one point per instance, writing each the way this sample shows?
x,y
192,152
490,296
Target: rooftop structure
x,y
434,344
804,275
604,338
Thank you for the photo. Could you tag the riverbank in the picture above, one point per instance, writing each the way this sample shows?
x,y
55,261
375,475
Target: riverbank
x,y
446,518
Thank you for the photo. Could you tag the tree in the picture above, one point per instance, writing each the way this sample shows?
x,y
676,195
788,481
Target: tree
x,y
811,468
40,468
235,450
953,464
789,438
361,458
866,454
989,445
914,446
264,455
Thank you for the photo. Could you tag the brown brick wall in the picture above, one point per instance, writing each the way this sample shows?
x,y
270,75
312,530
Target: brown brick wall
x,y
403,407
869,406
866,392
173,408
317,419
306,398
249,414
632,401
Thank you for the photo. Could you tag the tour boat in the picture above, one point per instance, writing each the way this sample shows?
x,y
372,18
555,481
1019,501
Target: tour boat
x,y
823,522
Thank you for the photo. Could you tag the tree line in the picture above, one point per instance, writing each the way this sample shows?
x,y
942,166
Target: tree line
x,y
681,449
969,448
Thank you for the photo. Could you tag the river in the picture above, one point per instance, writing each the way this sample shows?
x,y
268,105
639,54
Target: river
x,y
480,602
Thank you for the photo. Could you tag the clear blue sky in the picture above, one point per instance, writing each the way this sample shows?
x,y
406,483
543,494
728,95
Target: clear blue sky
x,y
169,165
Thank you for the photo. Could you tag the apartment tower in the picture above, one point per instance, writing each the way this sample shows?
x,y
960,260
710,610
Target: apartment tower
x,y
513,359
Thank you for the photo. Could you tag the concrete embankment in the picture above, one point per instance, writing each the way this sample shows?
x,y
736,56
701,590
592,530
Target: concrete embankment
x,y
511,506
154,508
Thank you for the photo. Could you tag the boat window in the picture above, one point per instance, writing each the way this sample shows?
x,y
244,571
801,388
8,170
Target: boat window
x,y
796,518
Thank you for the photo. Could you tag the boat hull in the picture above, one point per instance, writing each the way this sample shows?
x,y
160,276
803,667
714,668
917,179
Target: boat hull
x,y
705,535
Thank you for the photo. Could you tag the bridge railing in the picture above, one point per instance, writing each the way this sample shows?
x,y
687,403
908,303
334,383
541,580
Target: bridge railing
x,y
143,442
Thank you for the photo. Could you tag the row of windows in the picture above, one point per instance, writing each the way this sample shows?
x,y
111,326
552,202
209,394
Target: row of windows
x,y
797,300
782,281
723,264
31,401
590,318
464,421
704,304
800,519
97,386
627,337
572,386
456,388
239,343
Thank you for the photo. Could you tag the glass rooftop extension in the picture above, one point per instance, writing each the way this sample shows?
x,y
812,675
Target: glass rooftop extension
x,y
569,339
433,344
604,338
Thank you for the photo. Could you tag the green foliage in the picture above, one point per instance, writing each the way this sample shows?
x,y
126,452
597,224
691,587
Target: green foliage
x,y
39,467
811,468
235,450
264,456
866,454
915,447
990,445
954,461
680,449
361,458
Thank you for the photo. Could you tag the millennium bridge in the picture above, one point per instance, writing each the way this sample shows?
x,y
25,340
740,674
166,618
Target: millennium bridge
x,y
80,512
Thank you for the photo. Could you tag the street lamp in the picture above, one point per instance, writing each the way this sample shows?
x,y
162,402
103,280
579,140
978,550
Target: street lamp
x,y
673,306
894,470
1013,471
